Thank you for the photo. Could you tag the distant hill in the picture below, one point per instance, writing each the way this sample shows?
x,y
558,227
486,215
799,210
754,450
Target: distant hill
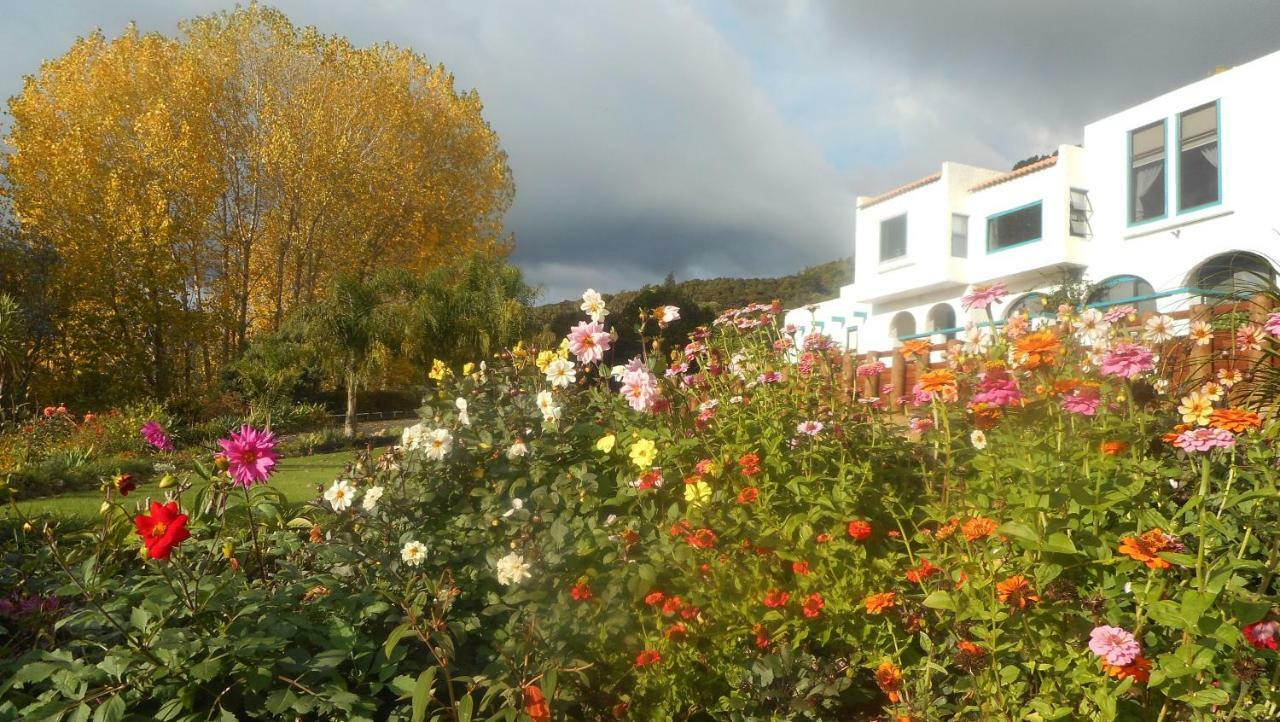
x,y
711,295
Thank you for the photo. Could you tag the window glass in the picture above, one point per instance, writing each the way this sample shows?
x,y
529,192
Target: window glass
x,y
1146,173
893,237
1123,288
1198,158
1032,304
1081,211
1014,227
959,235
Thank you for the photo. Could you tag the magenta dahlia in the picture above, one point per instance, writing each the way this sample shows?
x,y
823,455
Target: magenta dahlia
x,y
251,455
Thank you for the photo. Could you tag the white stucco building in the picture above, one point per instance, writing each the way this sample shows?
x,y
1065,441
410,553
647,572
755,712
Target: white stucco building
x,y
1165,203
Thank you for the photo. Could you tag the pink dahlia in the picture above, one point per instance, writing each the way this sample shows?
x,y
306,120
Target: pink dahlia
x,y
1272,324
153,433
1116,646
983,296
1127,360
1262,634
1204,438
589,341
251,455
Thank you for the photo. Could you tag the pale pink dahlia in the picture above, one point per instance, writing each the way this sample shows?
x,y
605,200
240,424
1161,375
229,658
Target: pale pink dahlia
x,y
1116,646
153,433
1127,360
589,341
251,455
983,296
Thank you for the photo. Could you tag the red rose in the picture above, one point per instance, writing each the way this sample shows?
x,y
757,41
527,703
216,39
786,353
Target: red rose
x,y
162,530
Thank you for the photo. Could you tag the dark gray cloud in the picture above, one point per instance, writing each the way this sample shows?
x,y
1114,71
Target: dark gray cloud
x,y
728,137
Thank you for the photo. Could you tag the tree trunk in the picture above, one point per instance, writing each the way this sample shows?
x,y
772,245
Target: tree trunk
x,y
349,424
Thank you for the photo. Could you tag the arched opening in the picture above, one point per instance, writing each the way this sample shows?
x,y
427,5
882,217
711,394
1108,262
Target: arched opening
x,y
1032,305
903,324
1120,290
1237,273
942,318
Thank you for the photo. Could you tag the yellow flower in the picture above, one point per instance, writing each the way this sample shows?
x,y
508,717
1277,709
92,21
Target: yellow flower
x,y
605,444
439,371
564,348
643,452
1196,408
544,359
467,368
697,493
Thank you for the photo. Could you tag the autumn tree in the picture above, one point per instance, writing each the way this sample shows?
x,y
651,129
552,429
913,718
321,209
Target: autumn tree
x,y
199,188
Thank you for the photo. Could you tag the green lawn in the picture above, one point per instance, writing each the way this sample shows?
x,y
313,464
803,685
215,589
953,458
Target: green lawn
x,y
296,477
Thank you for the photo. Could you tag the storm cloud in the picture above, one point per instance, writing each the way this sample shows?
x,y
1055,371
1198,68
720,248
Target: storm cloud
x,y
718,138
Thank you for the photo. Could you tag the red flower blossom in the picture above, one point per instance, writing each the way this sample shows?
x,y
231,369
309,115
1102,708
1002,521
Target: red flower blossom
x,y
1262,634
775,598
922,571
672,605
581,592
749,464
822,538
813,605
162,530
702,539
535,704
124,483
680,528
676,631
800,569
748,495
859,530
654,598
762,636
648,657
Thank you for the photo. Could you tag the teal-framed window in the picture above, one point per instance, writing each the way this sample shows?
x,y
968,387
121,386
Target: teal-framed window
x,y
1015,227
1199,158
1081,213
893,237
1147,173
1034,305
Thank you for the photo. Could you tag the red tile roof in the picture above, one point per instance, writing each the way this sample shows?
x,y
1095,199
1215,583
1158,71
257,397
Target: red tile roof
x,y
1024,170
900,190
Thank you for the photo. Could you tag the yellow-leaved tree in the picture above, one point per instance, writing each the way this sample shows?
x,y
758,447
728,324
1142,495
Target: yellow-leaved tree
x,y
198,188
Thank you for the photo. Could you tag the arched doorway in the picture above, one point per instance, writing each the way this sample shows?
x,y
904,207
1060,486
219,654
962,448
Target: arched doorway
x,y
942,318
903,324
1032,305
1130,290
1237,273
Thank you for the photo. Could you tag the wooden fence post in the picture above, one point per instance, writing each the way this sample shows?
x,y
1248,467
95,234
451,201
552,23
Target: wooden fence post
x,y
897,377
1200,358
847,388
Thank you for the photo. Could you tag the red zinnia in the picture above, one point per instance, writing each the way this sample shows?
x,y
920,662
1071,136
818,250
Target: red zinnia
x,y
581,592
775,598
702,539
800,568
859,530
748,495
648,657
762,636
813,605
749,464
822,538
676,631
535,704
672,605
654,598
162,530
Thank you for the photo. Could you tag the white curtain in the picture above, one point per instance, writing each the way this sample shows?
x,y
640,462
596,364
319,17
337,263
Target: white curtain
x,y
1147,177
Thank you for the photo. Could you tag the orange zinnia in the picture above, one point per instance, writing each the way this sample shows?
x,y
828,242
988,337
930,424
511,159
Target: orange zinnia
x,y
1173,435
889,679
1139,669
977,528
1037,349
1113,448
946,530
1016,591
938,381
915,347
1145,548
1237,421
877,603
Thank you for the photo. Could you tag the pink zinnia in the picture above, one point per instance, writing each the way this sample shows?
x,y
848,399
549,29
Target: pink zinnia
x,y
811,428
1204,438
1127,360
153,433
1118,313
997,388
983,296
874,368
589,341
1272,324
1116,646
1084,401
251,454
919,425
1262,634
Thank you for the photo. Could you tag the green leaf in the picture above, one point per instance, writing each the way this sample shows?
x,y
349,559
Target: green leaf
x,y
1206,697
394,638
464,709
1021,532
110,711
1059,543
422,693
940,600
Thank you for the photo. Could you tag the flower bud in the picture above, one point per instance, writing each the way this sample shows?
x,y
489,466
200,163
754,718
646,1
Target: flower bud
x,y
27,528
228,549
221,463
167,481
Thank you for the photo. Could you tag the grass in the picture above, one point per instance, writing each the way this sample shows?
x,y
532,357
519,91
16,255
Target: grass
x,y
297,477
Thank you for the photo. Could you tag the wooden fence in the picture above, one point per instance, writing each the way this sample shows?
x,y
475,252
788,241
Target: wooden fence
x,y
1183,362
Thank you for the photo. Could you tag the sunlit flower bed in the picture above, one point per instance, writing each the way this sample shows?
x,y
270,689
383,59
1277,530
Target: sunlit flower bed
x,y
723,530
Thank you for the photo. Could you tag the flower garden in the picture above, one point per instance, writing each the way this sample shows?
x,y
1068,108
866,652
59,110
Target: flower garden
x,y
1043,529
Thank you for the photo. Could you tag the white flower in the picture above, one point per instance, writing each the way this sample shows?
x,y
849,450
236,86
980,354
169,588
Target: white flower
x,y
412,437
461,405
975,341
547,405
340,495
1092,326
1128,587
593,305
560,372
371,498
979,439
437,444
512,569
517,450
667,314
617,372
413,553
1159,329
516,505
609,520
